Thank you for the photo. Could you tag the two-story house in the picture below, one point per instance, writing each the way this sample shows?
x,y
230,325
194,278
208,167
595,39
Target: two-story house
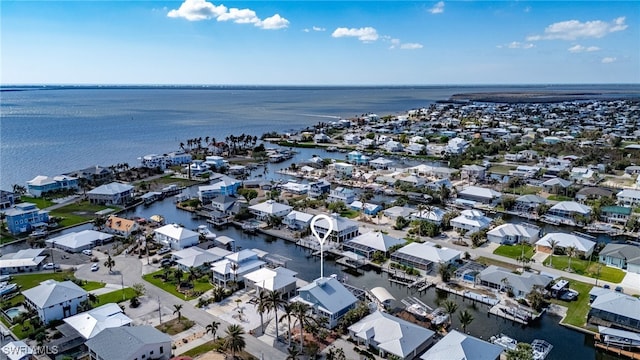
x,y
130,343
176,237
53,300
24,217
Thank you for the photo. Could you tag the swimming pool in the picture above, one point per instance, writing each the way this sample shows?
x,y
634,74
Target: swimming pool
x,y
14,311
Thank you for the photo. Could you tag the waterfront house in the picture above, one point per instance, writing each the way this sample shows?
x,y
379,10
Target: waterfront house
x,y
90,323
392,146
26,260
614,309
380,163
391,336
584,247
297,220
175,237
480,195
343,194
395,212
473,173
460,346
357,158
503,279
412,180
7,199
629,198
321,139
111,194
568,210
432,215
25,217
95,175
53,300
423,255
615,214
343,229
295,188
75,242
470,221
528,203
514,234
279,279
368,243
622,256
225,204
328,298
351,139
215,161
220,185
318,188
133,342
121,226
342,170
234,266
555,185
269,208
592,193
41,185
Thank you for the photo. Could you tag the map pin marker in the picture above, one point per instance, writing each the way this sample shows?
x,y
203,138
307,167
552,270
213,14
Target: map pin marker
x,y
321,239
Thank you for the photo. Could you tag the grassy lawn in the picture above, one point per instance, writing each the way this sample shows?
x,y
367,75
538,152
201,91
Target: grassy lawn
x,y
487,261
501,169
200,285
174,326
524,190
77,213
40,202
349,214
514,251
559,198
204,348
28,281
577,310
583,267
115,297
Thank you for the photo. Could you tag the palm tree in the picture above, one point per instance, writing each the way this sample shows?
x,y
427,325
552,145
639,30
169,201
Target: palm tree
x,y
301,312
213,328
234,339
192,275
450,308
262,306
177,273
275,302
445,271
465,318
109,263
234,268
293,353
288,309
177,308
552,243
571,252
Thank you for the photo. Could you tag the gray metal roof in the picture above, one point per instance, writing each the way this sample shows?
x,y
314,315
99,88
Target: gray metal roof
x,y
458,346
328,293
123,343
51,292
618,303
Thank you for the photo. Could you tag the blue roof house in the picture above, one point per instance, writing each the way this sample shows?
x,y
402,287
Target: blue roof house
x,y
328,298
25,217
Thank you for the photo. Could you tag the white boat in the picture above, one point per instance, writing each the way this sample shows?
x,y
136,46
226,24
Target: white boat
x,y
204,231
541,349
417,309
6,288
439,316
504,341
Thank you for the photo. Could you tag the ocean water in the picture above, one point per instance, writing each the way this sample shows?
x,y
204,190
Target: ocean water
x,y
52,130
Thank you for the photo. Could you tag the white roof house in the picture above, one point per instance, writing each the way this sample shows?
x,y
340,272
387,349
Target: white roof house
x,y
17,350
113,193
458,346
471,221
521,284
278,279
22,261
197,257
328,298
366,244
391,335
78,241
424,255
176,237
479,194
269,208
90,323
628,197
55,300
564,207
130,342
434,215
513,234
235,265
617,308
343,229
582,245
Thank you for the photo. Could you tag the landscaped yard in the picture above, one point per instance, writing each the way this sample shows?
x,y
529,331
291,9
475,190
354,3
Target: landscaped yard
x,y
200,286
586,268
349,214
115,297
515,251
174,326
77,213
577,310
27,281
41,203
501,169
559,198
487,261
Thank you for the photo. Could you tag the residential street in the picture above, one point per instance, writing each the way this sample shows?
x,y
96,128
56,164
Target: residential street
x,y
132,269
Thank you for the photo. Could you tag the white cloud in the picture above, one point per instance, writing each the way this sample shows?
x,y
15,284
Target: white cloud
x,y
579,48
240,16
437,8
366,34
196,10
317,28
608,60
274,22
574,29
517,45
411,46
306,30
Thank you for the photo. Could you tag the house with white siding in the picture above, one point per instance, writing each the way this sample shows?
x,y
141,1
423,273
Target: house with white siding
x,y
328,298
629,197
470,221
175,236
514,234
111,194
269,208
53,300
623,256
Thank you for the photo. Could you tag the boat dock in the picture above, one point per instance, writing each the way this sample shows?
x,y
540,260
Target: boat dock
x,y
614,349
484,299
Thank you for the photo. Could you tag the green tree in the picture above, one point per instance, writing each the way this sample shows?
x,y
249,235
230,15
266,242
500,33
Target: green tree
x,y
262,306
288,310
234,339
465,318
523,351
293,353
450,308
213,328
177,308
536,298
109,263
99,222
445,270
248,194
275,303
552,244
139,289
302,313
571,252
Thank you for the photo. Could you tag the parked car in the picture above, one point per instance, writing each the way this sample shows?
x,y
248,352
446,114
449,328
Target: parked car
x,y
619,289
95,267
167,262
606,286
164,250
51,266
87,252
569,295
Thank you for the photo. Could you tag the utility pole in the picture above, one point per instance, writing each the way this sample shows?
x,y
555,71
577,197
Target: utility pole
x,y
159,310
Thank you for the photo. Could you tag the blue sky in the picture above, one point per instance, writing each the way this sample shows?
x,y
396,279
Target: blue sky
x,y
319,42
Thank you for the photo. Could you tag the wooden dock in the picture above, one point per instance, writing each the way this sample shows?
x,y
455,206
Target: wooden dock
x,y
616,350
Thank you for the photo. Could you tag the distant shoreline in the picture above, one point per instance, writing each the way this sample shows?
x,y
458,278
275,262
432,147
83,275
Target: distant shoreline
x,y
539,96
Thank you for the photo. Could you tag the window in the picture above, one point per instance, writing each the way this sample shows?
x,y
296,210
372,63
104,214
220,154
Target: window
x,y
161,349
